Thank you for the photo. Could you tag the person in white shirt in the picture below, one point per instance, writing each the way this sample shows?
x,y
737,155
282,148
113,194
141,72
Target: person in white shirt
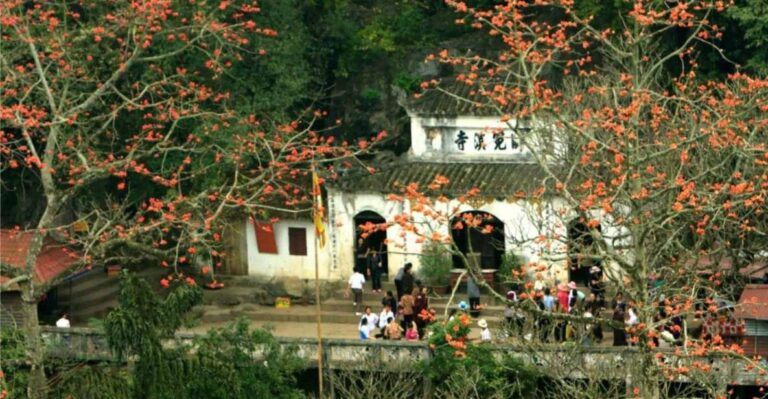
x,y
384,316
373,319
63,322
631,320
356,283
485,333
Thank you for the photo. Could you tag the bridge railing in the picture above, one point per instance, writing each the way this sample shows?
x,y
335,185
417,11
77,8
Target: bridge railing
x,y
87,344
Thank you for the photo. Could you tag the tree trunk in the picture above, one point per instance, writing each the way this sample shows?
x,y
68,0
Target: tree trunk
x,y
643,381
38,383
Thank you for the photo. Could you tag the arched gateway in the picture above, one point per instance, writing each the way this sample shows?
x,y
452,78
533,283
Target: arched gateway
x,y
478,235
368,239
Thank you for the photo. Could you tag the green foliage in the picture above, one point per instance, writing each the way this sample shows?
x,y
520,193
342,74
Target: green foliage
x,y
143,319
448,342
407,82
233,362
100,381
370,97
12,350
436,265
751,16
376,37
510,263
457,363
283,79
225,366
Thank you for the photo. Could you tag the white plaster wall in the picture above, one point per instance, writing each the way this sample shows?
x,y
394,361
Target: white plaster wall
x,y
523,221
283,264
346,206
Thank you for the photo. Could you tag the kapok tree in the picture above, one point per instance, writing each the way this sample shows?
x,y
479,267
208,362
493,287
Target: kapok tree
x,y
116,116
666,170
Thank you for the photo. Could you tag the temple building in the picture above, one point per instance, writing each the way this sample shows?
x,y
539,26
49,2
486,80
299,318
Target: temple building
x,y
451,138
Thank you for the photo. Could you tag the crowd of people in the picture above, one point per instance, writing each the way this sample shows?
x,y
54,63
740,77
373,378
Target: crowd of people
x,y
405,318
406,314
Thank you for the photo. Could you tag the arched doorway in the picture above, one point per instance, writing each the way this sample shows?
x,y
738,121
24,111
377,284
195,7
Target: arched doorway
x,y
370,235
480,233
580,250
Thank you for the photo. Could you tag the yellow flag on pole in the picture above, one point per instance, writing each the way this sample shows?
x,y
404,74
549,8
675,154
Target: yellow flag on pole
x,y
318,208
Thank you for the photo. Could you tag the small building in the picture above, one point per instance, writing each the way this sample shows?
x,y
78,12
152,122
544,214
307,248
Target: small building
x,y
469,146
53,261
753,309
81,292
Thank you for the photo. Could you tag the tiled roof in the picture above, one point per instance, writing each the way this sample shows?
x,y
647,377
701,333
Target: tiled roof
x,y
53,259
708,265
753,303
493,179
463,100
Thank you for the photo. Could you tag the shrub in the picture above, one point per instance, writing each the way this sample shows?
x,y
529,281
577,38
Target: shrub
x,y
13,353
458,367
436,265
510,268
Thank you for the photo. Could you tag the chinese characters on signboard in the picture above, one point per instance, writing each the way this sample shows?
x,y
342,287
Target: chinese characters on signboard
x,y
461,139
485,141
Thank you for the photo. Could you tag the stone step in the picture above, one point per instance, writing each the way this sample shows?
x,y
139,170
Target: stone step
x,y
234,295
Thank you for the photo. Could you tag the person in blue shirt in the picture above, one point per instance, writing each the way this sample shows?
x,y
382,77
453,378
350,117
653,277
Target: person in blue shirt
x,y
548,301
364,330
548,304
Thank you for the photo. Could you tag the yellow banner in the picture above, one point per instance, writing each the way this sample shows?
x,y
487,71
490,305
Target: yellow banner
x,y
318,209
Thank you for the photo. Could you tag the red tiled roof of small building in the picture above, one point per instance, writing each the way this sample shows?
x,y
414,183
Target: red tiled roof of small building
x,y
53,260
753,304
706,265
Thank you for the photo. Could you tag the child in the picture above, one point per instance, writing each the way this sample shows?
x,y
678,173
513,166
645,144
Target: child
x,y
384,317
393,331
413,332
485,333
364,330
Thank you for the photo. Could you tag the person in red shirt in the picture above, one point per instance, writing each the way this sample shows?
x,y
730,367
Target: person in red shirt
x,y
562,297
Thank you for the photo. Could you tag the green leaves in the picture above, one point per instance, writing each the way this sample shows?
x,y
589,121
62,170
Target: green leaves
x,y
143,318
231,362
436,265
752,17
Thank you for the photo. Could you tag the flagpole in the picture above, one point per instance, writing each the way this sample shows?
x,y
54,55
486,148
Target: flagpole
x,y
318,309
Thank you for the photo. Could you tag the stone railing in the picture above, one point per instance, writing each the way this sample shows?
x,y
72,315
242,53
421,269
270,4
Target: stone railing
x,y
561,361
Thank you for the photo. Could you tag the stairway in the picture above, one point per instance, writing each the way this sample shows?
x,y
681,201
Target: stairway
x,y
337,311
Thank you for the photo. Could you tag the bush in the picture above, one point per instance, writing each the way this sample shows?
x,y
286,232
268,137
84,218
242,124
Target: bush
x,y
12,354
458,368
219,365
511,266
436,265
224,365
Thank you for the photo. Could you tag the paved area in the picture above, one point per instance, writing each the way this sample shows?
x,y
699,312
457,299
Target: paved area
x,y
302,330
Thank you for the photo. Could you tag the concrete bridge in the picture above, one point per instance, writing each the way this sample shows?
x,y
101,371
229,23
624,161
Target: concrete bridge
x,y
555,360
